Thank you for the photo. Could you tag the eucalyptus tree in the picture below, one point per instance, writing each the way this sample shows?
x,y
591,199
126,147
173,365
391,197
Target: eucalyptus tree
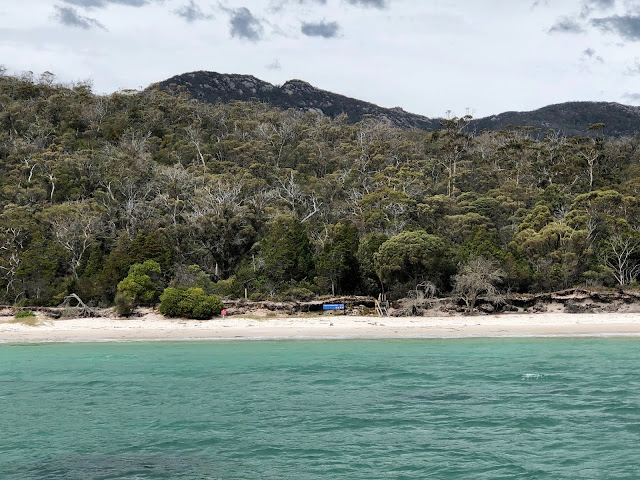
x,y
415,257
621,254
74,226
337,261
286,254
454,143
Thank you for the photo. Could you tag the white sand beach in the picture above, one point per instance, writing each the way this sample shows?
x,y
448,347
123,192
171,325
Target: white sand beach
x,y
152,326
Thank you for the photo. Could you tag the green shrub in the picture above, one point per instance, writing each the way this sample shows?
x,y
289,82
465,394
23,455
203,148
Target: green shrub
x,y
24,314
298,294
226,287
139,284
189,303
192,276
257,296
170,301
124,304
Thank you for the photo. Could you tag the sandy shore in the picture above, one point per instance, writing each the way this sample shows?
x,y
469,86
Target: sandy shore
x,y
152,326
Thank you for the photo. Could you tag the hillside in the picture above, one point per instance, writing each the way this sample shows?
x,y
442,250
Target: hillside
x,y
570,118
117,198
212,87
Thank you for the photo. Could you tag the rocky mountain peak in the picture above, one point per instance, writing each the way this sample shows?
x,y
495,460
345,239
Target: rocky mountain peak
x,y
570,118
295,94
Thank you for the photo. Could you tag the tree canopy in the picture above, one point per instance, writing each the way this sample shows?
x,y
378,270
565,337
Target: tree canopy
x,y
253,199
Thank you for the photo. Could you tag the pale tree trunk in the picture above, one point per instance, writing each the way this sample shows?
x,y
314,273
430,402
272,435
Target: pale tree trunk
x,y
622,248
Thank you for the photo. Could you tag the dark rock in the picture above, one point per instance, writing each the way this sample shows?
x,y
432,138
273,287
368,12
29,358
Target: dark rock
x,y
213,87
486,308
570,118
509,308
575,307
539,308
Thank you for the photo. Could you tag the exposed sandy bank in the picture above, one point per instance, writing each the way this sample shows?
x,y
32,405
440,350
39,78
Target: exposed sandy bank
x,y
152,326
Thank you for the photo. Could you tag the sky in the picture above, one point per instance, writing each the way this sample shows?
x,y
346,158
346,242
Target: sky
x,y
431,57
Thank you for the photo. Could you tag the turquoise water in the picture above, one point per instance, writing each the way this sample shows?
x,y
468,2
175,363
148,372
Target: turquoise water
x,y
467,409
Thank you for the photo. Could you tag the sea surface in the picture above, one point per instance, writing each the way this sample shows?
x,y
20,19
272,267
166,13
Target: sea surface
x,y
395,409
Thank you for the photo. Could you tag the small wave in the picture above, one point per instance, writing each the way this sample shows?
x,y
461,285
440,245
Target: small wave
x,y
532,376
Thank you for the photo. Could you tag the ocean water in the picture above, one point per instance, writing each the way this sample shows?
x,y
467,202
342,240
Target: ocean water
x,y
443,409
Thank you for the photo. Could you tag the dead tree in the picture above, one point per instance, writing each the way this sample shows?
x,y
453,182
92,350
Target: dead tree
x,y
80,309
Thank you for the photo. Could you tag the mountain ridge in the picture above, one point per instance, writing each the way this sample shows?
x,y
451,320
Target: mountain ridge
x,y
571,118
213,87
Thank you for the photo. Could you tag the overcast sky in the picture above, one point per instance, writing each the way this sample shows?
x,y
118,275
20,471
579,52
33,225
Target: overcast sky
x,y
427,56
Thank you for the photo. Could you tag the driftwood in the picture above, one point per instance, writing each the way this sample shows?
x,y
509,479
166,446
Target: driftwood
x,y
78,310
573,300
571,295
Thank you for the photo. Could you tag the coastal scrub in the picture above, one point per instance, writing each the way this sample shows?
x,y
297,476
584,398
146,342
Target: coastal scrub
x,y
190,302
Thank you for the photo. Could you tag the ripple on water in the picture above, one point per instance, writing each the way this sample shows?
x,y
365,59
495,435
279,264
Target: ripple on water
x,y
486,409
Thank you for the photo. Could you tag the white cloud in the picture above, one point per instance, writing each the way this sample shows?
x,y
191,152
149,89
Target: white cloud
x,y
427,57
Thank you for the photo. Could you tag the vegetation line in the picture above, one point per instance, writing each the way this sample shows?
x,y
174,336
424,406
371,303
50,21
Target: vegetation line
x,y
129,198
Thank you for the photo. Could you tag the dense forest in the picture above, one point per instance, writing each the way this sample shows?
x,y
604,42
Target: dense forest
x,y
140,191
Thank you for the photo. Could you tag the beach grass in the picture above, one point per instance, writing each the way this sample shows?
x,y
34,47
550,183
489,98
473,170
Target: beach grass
x,y
25,317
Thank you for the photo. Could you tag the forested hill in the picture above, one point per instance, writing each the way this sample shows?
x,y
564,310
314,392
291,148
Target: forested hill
x,y
119,196
215,87
570,118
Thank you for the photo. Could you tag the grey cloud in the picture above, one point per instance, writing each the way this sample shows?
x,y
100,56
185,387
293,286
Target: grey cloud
x,y
632,6
603,4
590,54
633,70
320,29
191,12
104,3
627,26
275,65
244,24
632,97
278,5
590,5
70,17
369,3
566,25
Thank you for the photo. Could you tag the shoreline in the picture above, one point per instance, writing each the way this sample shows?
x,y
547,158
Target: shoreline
x,y
153,327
